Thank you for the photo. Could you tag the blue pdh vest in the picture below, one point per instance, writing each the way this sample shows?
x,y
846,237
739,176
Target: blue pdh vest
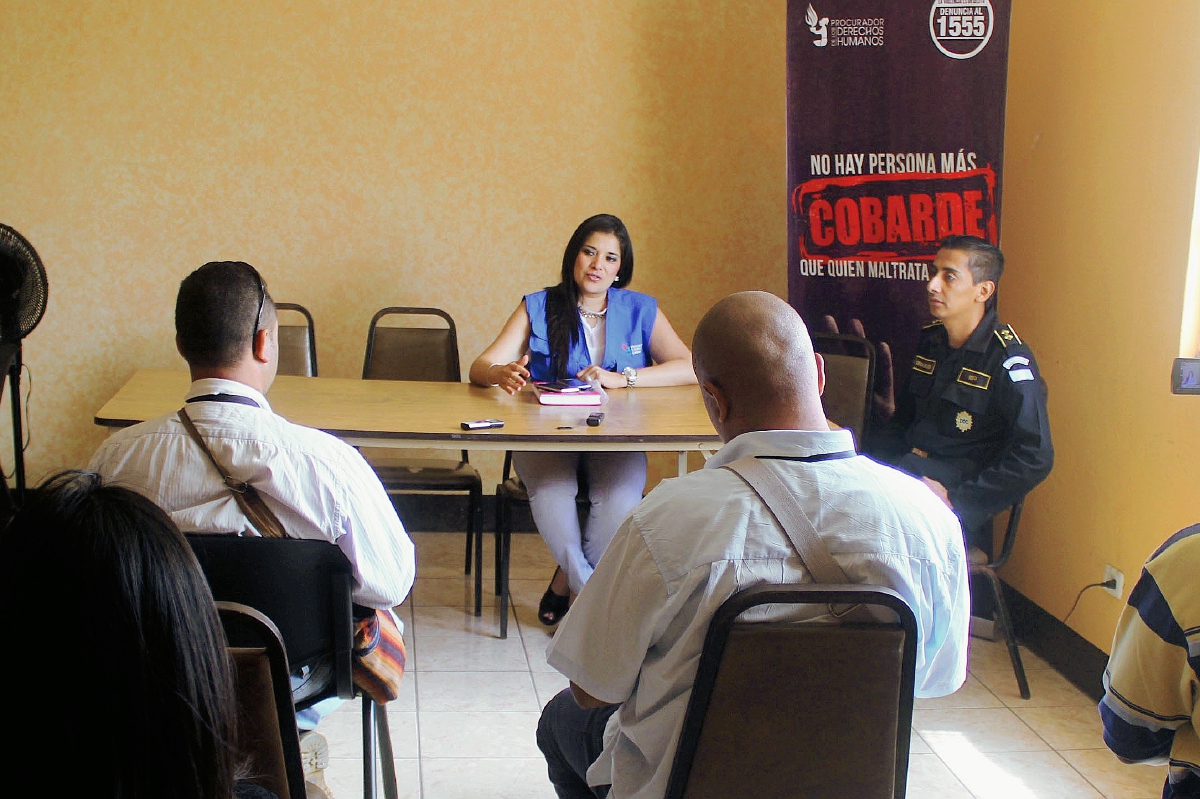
x,y
629,322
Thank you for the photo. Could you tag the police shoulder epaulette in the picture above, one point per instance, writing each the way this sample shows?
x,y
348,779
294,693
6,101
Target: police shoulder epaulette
x,y
1008,337
934,323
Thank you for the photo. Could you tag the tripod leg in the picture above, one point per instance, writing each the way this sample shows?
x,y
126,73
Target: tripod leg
x,y
14,380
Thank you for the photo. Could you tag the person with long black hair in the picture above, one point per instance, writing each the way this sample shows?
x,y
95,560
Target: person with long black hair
x,y
116,659
589,326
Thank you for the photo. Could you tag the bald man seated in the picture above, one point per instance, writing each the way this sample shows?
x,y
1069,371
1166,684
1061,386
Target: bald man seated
x,y
631,643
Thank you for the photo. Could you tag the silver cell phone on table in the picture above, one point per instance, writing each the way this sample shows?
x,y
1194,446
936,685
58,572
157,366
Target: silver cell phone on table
x,y
482,424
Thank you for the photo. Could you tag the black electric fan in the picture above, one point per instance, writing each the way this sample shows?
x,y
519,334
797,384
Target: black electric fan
x,y
22,303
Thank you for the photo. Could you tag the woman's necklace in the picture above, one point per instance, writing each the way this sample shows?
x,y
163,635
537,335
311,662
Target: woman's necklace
x,y
586,314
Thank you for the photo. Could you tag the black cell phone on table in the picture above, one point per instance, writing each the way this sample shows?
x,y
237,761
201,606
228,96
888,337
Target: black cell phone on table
x,y
482,424
566,386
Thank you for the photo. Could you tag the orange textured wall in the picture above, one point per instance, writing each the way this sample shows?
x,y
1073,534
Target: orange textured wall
x,y
1102,137
372,154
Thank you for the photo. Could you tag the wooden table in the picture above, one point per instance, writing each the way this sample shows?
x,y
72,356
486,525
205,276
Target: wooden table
x,y
389,413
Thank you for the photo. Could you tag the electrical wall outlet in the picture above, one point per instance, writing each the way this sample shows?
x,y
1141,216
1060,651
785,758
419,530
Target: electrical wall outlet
x,y
1111,573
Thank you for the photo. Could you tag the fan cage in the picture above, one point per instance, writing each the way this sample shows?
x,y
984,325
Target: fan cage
x,y
23,287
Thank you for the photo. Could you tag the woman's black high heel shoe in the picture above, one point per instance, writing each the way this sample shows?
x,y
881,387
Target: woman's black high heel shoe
x,y
553,606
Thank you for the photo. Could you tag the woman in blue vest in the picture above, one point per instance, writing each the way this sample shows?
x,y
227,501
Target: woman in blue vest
x,y
592,327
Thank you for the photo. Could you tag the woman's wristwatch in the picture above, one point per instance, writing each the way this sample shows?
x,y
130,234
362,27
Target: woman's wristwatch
x,y
630,376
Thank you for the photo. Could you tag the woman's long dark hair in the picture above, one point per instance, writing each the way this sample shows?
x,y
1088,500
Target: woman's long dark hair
x,y
562,301
114,647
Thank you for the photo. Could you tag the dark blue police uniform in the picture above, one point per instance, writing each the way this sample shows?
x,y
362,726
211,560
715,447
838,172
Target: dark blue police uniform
x,y
974,419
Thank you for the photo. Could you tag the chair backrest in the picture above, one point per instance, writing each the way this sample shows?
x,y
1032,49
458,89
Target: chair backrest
x,y
266,718
849,380
808,709
297,340
303,587
424,349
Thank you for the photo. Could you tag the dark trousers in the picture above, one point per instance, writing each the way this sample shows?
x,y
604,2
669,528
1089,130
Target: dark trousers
x,y
983,604
980,536
572,738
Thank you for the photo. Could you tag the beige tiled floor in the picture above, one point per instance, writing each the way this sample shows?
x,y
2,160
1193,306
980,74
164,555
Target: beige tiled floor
x,y
464,725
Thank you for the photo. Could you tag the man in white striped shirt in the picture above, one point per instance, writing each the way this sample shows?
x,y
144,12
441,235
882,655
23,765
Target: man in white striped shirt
x,y
318,486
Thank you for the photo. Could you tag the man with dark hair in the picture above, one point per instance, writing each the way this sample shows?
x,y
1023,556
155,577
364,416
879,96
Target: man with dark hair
x,y
632,641
972,417
211,313
318,486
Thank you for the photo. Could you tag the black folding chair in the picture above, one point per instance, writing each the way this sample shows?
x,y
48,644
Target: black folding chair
x,y
297,342
266,718
304,588
424,349
978,562
511,493
849,380
811,709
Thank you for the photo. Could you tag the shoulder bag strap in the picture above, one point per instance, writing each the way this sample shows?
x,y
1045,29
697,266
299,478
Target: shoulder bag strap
x,y
800,530
255,509
791,517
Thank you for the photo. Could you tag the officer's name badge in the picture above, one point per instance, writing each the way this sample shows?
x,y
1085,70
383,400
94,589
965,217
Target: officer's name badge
x,y
964,421
974,379
924,365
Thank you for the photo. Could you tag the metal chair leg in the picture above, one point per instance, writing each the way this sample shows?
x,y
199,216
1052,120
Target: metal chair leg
x,y
506,545
503,554
470,533
503,523
1010,636
473,527
387,761
370,748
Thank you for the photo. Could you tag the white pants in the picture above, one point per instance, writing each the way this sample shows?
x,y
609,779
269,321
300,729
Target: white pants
x,y
615,484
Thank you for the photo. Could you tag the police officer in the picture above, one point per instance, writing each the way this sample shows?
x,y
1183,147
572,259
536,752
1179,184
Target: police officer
x,y
973,411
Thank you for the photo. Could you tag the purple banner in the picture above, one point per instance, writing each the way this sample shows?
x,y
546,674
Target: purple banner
x,y
895,141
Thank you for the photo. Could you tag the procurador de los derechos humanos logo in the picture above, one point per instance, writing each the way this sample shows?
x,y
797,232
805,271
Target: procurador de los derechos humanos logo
x,y
817,27
849,32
